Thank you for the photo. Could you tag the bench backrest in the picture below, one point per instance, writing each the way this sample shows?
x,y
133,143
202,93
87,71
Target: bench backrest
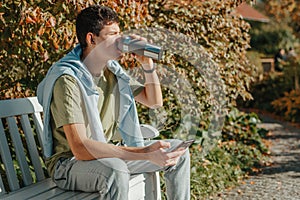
x,y
20,128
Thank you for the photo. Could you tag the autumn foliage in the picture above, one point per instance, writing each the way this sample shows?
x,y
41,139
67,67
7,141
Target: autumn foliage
x,y
37,33
278,93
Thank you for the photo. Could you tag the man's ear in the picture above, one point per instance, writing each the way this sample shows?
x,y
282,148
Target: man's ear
x,y
90,39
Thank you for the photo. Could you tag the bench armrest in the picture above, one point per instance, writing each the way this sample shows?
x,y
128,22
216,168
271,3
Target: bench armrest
x,y
148,131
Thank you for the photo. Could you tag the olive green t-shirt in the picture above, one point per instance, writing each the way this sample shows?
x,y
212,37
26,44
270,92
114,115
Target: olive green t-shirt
x,y
67,107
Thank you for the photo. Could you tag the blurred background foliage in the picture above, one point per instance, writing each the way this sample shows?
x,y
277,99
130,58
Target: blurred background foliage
x,y
37,33
277,92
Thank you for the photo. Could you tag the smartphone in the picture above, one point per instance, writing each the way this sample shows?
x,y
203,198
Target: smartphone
x,y
182,145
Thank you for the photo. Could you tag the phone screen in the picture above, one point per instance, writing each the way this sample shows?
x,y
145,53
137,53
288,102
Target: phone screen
x,y
183,145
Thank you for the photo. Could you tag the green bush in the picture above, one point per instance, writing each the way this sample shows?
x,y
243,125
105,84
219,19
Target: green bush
x,y
240,151
254,59
269,38
267,90
242,128
214,173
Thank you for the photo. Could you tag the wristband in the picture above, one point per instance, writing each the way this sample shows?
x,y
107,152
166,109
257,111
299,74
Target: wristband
x,y
150,70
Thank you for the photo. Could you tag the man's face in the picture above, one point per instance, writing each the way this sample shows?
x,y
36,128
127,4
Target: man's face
x,y
106,42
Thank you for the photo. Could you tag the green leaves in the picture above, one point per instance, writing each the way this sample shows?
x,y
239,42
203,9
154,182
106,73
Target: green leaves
x,y
240,151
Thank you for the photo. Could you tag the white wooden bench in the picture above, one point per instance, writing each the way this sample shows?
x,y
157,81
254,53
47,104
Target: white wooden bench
x,y
23,174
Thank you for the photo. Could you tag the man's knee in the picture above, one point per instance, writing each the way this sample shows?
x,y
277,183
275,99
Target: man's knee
x,y
117,178
118,174
115,164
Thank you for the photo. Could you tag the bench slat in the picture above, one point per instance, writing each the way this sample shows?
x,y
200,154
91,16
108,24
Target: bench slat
x,y
7,160
56,193
48,194
32,148
37,119
2,188
19,150
72,195
31,190
20,106
86,196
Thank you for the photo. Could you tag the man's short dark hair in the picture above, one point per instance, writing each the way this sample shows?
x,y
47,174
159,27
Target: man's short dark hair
x,y
93,19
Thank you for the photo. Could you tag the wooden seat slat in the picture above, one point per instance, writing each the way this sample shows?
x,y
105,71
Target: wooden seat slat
x,y
32,148
53,192
2,188
74,195
19,150
31,190
7,161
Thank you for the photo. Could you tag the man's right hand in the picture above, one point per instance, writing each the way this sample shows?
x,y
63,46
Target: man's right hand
x,y
159,156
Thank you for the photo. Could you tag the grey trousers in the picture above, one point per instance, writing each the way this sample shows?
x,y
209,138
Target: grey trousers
x,y
110,176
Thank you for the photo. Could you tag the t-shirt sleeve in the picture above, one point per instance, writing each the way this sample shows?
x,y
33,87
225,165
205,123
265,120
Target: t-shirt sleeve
x,y
66,105
136,86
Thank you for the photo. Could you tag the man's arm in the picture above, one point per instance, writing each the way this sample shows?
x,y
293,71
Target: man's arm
x,y
84,148
151,95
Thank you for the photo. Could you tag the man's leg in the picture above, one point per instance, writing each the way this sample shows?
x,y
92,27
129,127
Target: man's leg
x,y
177,177
108,176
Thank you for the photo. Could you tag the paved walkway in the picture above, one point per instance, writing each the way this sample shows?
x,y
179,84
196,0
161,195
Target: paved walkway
x,y
281,180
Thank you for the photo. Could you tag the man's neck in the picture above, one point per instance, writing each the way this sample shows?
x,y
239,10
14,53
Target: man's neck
x,y
94,64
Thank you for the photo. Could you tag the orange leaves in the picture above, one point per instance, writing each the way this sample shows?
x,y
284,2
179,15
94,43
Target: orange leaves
x,y
34,45
29,20
37,33
68,42
45,56
31,16
40,28
289,103
2,18
285,11
55,44
41,31
51,22
16,91
132,13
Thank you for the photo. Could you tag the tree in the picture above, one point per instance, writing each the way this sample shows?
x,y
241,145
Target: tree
x,y
285,11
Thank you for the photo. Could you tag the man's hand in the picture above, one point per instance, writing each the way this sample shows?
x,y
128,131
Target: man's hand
x,y
146,62
159,156
157,145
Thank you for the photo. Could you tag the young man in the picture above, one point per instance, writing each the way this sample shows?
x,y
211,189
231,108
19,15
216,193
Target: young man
x,y
87,99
